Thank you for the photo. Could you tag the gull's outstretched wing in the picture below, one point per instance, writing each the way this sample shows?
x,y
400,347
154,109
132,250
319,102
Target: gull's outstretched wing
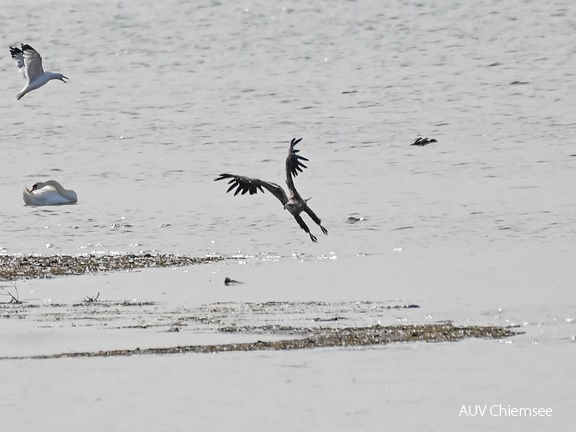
x,y
32,62
241,184
18,56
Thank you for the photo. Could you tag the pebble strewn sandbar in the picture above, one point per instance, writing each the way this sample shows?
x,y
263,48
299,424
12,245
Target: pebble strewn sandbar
x,y
319,338
225,317
13,267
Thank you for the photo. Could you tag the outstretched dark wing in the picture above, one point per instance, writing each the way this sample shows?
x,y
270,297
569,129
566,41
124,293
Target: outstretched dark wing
x,y
294,160
241,185
293,165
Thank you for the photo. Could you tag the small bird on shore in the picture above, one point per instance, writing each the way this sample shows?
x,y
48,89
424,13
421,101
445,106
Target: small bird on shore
x,y
294,203
423,141
29,65
48,193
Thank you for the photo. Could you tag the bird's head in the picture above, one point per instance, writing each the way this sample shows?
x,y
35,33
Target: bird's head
x,y
62,78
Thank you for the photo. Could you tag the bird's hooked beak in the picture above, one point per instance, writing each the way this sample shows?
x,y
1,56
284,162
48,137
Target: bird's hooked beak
x,y
62,79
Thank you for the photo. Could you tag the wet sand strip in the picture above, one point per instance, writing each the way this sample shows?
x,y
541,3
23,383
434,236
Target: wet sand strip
x,y
319,338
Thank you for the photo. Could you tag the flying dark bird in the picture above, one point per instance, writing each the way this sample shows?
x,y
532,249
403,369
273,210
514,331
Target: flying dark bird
x,y
423,141
294,203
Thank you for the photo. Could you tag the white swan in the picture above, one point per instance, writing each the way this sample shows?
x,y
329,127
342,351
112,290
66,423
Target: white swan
x,y
48,193
29,64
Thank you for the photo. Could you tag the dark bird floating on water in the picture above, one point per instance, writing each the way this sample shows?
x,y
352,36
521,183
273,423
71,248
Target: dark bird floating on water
x,y
295,204
228,281
423,141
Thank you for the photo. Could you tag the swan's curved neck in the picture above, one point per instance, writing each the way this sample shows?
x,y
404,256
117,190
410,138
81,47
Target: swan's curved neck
x,y
70,194
56,186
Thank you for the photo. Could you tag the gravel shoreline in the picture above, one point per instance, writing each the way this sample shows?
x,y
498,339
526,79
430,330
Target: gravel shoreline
x,y
14,267
348,337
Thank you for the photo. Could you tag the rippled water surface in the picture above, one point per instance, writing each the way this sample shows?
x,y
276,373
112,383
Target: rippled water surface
x,y
165,96
159,103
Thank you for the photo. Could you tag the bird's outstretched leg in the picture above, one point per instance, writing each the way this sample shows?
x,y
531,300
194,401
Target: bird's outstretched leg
x,y
305,228
315,219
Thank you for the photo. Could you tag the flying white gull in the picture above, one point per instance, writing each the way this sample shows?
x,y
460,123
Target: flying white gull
x,y
295,204
30,65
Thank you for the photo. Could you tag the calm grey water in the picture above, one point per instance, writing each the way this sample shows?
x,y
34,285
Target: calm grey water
x,y
164,96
